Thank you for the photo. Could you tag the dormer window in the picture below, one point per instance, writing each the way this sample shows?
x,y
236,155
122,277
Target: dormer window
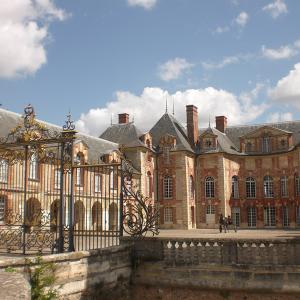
x,y
283,144
248,147
209,143
266,148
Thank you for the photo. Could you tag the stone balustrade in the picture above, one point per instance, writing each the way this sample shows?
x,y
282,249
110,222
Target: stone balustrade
x,y
193,251
244,252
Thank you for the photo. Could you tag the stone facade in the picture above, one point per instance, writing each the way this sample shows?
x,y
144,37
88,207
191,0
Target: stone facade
x,y
183,161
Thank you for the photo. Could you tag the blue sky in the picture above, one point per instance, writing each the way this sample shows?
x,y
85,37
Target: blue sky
x,y
99,58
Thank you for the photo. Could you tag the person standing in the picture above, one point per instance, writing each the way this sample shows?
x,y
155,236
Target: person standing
x,y
221,222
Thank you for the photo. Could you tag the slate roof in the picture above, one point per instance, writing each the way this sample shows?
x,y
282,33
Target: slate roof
x,y
124,134
167,124
230,141
235,132
224,143
97,147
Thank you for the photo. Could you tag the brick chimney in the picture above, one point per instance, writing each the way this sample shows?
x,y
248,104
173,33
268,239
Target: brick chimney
x,y
123,118
221,123
192,124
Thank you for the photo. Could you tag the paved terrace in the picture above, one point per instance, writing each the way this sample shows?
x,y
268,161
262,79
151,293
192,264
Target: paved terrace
x,y
240,234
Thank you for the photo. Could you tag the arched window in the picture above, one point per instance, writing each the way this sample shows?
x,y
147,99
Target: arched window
x,y
268,187
192,187
284,186
209,187
149,184
3,170
33,167
168,187
297,185
234,187
250,187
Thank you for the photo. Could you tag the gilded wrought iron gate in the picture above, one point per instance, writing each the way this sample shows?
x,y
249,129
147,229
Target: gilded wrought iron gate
x,y
35,187
51,202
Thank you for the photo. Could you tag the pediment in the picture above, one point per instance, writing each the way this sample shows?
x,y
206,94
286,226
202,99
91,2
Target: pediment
x,y
208,134
266,131
168,139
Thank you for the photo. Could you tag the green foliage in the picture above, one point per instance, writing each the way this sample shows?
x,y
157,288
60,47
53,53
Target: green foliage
x,y
42,279
10,270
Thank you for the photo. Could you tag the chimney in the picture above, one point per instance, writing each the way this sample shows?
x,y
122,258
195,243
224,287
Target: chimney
x,y
192,124
221,123
123,118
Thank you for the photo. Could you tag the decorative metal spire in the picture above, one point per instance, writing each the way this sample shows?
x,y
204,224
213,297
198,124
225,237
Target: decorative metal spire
x,y
69,124
173,106
166,104
209,121
111,119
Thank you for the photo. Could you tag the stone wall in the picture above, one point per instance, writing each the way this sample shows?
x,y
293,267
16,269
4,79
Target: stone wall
x,y
14,286
216,269
96,274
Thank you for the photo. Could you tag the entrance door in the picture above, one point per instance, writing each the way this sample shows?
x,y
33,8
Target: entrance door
x,y
210,215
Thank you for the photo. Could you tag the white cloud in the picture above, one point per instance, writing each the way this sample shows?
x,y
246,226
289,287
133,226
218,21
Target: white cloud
x,y
225,62
146,4
23,33
276,8
173,69
282,52
280,117
287,89
220,29
297,44
242,19
148,107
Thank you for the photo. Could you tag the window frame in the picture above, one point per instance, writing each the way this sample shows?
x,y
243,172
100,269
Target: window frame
x,y
209,187
268,187
168,215
234,187
33,170
4,168
168,187
250,188
284,183
97,188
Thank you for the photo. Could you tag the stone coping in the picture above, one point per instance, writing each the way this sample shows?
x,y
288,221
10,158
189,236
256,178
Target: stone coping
x,y
128,239
68,256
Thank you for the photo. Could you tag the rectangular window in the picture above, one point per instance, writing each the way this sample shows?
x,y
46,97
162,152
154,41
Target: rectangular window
x,y
3,171
236,216
285,216
297,185
270,216
250,189
168,214
98,183
166,154
57,179
251,216
298,215
284,186
2,209
78,176
168,187
266,144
